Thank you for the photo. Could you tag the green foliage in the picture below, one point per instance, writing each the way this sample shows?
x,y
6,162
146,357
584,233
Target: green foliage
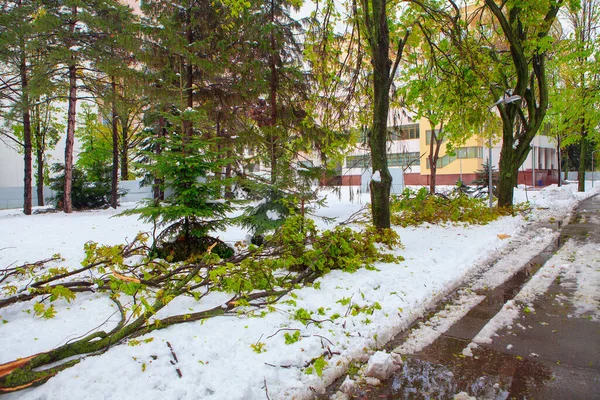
x,y
40,310
187,168
303,315
339,248
414,208
274,206
96,143
291,338
92,180
258,347
60,291
344,301
369,310
482,180
319,365
85,193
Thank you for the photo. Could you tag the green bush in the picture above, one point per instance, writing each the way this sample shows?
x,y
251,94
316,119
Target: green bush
x,y
90,189
414,208
340,248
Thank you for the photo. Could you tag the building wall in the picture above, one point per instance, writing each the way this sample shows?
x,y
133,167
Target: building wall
x,y
459,165
468,159
12,164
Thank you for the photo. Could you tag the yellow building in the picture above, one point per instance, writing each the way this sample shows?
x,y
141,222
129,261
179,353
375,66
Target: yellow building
x,y
408,159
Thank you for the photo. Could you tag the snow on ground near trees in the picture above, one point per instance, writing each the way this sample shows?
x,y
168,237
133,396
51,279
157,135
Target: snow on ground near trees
x,y
215,357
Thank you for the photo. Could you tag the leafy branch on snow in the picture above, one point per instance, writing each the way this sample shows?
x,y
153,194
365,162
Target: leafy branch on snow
x,y
140,286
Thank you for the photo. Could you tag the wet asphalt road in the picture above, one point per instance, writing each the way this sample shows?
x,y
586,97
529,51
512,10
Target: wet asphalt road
x,y
550,353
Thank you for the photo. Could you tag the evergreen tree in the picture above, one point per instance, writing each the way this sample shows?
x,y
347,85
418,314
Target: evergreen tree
x,y
79,37
280,111
19,85
482,181
192,207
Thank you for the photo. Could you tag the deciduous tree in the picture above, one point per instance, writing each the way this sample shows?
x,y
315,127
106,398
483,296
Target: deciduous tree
x,y
506,45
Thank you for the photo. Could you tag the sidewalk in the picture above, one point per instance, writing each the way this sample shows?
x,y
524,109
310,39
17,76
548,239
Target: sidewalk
x,y
537,336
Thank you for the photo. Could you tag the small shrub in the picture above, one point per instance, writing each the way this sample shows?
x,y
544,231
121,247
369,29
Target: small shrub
x,y
90,189
340,248
414,208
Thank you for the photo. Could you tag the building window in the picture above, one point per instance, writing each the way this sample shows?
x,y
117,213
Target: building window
x,y
304,164
428,135
403,159
403,132
394,160
362,161
462,152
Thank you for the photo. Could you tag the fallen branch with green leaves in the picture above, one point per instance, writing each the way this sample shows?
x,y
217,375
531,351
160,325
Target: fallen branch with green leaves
x,y
256,278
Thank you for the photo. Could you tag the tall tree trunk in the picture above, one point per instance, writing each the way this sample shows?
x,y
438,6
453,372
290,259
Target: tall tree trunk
x,y
71,120
582,155
434,154
188,90
28,170
274,84
381,182
124,150
157,192
40,145
559,160
508,167
40,175
114,188
566,162
228,171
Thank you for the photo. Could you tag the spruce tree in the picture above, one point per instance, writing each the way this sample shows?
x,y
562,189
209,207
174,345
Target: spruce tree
x,y
192,205
80,36
19,44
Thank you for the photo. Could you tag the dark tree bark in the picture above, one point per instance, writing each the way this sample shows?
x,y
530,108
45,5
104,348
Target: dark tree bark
x,y
531,85
28,170
274,85
559,156
71,120
40,173
189,84
380,188
40,147
375,21
124,151
114,189
434,154
157,193
583,143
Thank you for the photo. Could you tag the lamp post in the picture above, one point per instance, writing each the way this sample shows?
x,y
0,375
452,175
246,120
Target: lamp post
x,y
460,167
595,151
490,180
533,166
507,98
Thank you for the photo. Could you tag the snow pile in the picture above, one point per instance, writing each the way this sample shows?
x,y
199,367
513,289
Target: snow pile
x,y
381,365
376,176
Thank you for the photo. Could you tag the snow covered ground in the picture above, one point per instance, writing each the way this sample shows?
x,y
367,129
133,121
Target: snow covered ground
x,y
215,357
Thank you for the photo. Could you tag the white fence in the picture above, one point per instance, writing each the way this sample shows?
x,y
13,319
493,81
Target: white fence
x,y
588,176
12,197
